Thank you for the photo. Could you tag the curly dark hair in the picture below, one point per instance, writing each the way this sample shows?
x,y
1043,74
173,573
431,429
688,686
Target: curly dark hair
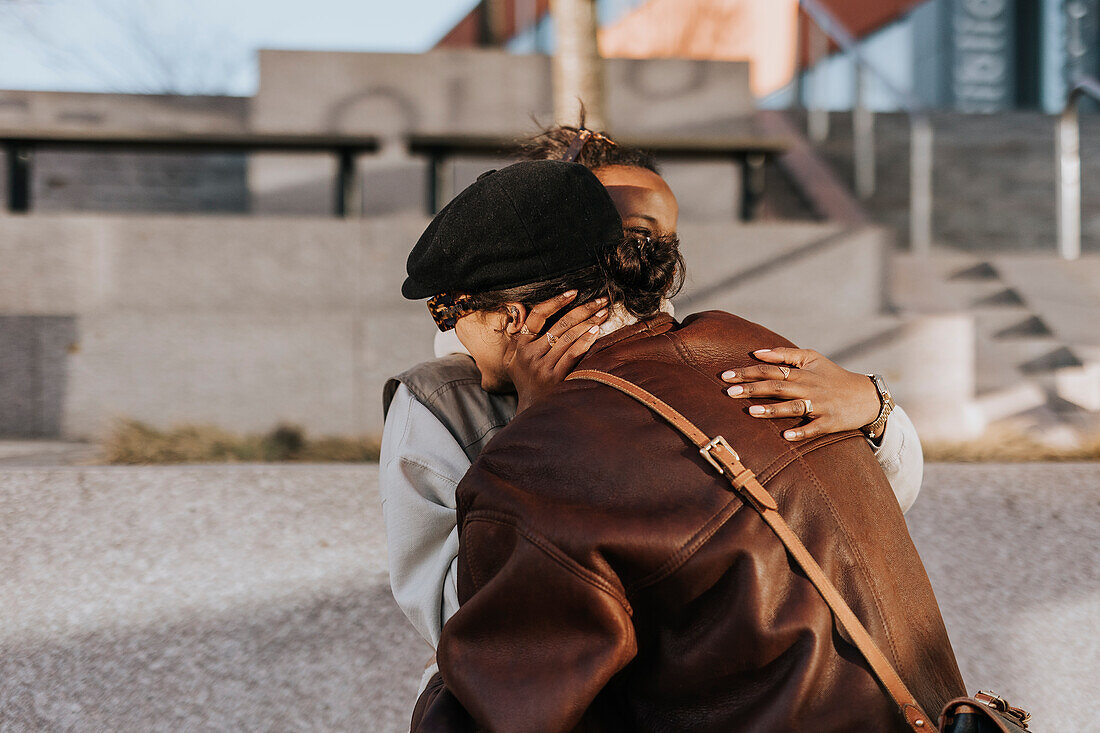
x,y
599,151
636,272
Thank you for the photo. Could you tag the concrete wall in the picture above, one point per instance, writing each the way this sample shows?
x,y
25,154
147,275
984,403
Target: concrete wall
x,y
247,322
84,113
33,381
292,184
480,92
474,92
237,322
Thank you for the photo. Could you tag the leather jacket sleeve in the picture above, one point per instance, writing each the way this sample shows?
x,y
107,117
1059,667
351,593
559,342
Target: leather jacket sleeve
x,y
522,655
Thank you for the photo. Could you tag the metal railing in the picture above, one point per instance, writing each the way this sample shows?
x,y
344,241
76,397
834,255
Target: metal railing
x,y
863,143
749,150
1067,153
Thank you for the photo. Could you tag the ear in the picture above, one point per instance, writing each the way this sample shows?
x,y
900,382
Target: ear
x,y
516,317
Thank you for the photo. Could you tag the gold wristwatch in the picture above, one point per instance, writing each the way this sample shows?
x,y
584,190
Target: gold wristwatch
x,y
875,429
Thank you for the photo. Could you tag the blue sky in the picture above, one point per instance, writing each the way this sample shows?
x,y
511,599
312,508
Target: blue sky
x,y
205,45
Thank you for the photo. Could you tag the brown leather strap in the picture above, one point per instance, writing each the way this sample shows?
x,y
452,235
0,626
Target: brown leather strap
x,y
719,453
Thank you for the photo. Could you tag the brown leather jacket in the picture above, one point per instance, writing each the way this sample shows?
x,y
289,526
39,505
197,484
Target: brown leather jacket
x,y
611,581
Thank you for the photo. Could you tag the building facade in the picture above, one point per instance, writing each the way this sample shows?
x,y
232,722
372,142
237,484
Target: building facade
x,y
978,56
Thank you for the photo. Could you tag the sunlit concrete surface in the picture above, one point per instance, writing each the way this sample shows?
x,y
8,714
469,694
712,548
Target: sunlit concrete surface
x,y
41,453
199,598
256,597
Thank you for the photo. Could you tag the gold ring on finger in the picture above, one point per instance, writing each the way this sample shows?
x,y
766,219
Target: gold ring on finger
x,y
786,371
551,338
809,411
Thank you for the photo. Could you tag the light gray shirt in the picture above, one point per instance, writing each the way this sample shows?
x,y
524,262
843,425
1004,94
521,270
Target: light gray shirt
x,y
421,464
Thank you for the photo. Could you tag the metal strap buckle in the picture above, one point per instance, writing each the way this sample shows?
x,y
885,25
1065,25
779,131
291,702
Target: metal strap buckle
x,y
998,703
719,441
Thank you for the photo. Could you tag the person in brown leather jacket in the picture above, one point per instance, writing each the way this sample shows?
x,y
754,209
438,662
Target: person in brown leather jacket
x,y
608,577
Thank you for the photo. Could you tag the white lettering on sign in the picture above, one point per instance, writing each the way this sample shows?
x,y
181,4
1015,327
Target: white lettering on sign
x,y
985,8
982,73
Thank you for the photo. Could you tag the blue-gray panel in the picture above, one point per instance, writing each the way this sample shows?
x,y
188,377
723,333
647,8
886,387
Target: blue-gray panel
x,y
983,46
34,373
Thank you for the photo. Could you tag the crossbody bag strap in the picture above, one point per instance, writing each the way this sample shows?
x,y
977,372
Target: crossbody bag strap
x,y
724,458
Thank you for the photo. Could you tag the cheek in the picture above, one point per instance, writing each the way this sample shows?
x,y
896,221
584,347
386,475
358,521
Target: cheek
x,y
480,339
463,334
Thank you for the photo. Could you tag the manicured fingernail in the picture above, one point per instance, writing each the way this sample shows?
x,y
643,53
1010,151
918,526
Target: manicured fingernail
x,y
757,410
601,313
761,351
594,329
791,435
601,301
735,390
569,294
729,375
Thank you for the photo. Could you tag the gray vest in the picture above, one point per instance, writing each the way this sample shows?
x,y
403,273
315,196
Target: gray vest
x,y
450,388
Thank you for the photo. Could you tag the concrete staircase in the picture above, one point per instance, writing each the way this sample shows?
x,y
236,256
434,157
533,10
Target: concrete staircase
x,y
817,284
1027,322
1033,360
823,287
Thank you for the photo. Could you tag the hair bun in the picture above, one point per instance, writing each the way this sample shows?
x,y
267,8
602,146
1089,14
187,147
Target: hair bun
x,y
643,269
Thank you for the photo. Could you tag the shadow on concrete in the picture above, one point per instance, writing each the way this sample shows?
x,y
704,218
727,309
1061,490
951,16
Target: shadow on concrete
x,y
348,662
34,354
1005,547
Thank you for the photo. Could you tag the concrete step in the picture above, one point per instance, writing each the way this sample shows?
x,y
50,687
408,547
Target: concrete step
x,y
942,283
1065,294
793,269
1031,316
1030,326
1006,402
839,339
1001,363
1006,322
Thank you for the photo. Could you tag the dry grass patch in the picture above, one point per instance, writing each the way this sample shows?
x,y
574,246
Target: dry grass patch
x,y
133,442
1011,445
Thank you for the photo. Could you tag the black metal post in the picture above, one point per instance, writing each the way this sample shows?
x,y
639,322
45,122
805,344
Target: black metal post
x,y
20,157
752,185
431,195
345,181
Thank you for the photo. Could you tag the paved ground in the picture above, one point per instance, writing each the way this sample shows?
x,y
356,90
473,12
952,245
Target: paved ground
x,y
255,597
40,453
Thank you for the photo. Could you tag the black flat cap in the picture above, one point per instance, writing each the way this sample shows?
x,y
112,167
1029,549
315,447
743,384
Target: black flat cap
x,y
529,222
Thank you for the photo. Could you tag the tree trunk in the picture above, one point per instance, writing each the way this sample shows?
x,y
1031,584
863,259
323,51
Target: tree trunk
x,y
577,68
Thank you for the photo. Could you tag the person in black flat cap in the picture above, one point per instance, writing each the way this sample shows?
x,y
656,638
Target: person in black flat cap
x,y
439,417
605,579
533,222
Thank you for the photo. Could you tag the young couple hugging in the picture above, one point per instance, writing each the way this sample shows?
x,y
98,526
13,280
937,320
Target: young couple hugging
x,y
573,558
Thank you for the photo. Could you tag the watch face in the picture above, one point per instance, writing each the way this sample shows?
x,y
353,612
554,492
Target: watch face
x,y
882,387
875,429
